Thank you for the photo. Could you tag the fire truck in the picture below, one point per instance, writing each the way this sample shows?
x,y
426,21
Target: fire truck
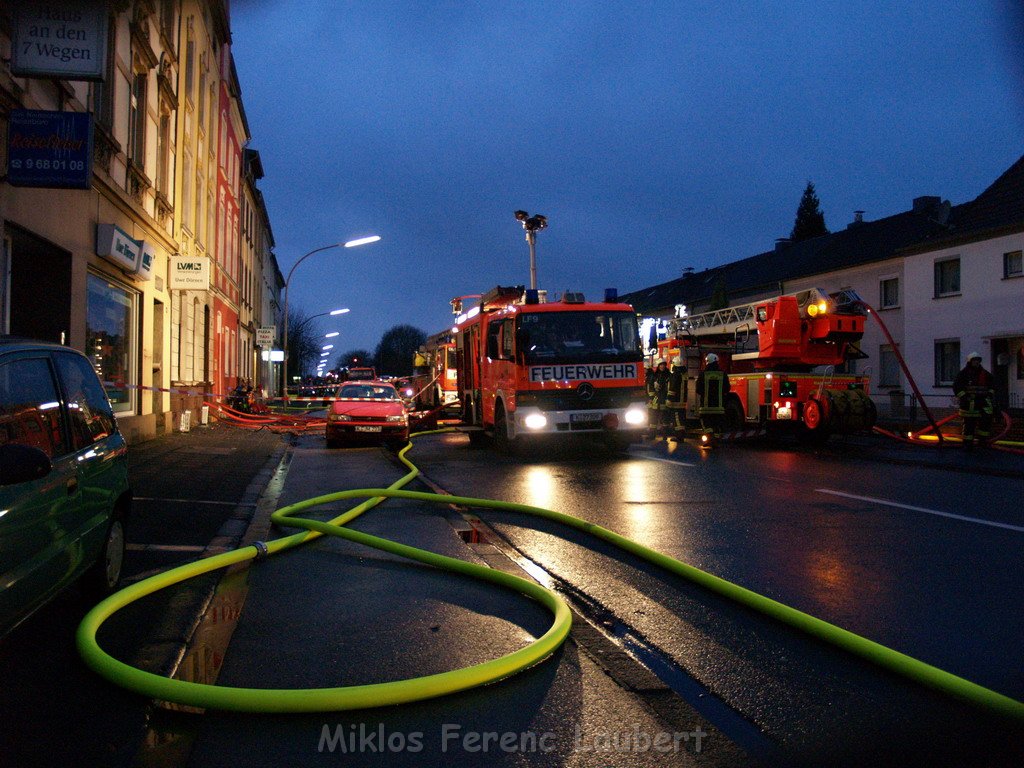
x,y
434,377
529,369
781,355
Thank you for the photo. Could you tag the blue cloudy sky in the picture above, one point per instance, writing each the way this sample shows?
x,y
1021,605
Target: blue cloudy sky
x,y
655,135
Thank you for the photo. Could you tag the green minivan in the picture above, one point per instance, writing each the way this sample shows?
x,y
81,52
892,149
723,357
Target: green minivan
x,y
64,492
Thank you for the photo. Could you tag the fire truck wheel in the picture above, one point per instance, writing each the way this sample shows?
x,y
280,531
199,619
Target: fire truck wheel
x,y
812,414
501,439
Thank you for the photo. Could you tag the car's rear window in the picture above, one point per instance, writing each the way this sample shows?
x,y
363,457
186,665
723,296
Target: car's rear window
x,y
368,392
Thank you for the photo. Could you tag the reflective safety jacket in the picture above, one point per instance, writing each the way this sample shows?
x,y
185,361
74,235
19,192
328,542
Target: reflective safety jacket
x,y
712,385
974,388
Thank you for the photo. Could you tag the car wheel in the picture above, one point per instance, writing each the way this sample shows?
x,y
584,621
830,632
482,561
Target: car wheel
x,y
103,577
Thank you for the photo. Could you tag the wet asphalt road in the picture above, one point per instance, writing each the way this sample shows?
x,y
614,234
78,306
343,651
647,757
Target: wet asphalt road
x,y
865,544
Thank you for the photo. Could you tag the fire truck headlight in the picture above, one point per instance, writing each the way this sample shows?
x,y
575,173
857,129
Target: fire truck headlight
x,y
536,421
636,417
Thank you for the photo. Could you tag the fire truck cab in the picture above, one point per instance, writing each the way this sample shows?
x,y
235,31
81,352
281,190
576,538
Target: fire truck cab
x,y
528,369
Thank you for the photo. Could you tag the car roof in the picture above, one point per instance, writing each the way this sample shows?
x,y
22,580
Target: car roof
x,y
14,343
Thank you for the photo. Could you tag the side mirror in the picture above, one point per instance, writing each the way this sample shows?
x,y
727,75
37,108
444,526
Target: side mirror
x,y
22,463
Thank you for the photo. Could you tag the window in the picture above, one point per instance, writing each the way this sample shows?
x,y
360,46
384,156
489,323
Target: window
x,y
103,90
889,367
190,63
30,407
1012,265
163,155
186,191
947,362
889,293
89,414
137,119
947,277
110,338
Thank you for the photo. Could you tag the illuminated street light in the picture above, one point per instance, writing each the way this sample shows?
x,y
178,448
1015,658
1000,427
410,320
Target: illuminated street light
x,y
287,285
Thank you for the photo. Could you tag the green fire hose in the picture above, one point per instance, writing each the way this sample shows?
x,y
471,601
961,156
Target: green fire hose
x,y
416,689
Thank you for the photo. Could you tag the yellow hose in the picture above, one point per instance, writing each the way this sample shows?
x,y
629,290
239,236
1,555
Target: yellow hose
x,y
416,689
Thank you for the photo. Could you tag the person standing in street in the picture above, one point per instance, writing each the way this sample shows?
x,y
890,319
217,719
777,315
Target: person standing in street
x,y
974,388
657,392
712,387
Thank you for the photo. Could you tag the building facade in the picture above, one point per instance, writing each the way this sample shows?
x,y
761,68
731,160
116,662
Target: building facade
x,y
95,267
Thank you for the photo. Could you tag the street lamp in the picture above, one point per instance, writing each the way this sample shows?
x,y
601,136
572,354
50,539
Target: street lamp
x,y
288,282
532,225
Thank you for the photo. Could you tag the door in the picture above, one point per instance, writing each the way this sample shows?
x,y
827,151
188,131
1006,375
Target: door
x,y
40,288
35,561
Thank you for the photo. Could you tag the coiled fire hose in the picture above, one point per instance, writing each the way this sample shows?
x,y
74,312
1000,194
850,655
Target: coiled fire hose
x,y
416,689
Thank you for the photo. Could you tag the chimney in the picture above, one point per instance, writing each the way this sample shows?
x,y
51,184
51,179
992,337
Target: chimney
x,y
858,219
780,243
687,271
926,204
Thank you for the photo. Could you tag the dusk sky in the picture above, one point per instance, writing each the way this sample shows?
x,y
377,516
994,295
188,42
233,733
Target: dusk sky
x,y
653,135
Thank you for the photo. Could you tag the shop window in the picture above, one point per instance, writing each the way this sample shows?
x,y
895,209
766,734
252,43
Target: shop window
x,y
111,339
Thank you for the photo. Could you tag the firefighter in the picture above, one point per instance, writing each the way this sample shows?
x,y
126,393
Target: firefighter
x,y
974,388
712,387
676,401
657,391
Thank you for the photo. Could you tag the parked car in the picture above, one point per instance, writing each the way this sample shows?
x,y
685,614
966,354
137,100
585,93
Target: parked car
x,y
367,412
64,493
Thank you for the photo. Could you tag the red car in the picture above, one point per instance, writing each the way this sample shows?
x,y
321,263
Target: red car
x,y
367,411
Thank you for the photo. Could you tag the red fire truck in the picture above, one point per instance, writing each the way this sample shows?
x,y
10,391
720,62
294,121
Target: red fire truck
x,y
781,355
529,369
434,379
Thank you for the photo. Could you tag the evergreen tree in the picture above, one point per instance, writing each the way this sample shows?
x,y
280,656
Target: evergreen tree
x,y
810,221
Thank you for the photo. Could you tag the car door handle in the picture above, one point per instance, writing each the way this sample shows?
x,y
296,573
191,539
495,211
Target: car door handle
x,y
72,485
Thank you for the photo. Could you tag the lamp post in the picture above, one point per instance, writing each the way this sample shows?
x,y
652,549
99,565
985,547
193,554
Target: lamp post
x,y
287,284
532,225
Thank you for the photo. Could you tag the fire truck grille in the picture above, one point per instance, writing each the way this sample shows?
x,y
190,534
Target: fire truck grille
x,y
570,400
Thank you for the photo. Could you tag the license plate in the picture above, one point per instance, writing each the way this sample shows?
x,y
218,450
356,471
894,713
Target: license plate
x,y
584,418
367,429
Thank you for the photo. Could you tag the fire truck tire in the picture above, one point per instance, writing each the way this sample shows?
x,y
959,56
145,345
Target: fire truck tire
x,y
502,442
813,415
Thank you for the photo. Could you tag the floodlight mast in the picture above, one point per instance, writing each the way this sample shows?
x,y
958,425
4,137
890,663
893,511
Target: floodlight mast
x,y
532,225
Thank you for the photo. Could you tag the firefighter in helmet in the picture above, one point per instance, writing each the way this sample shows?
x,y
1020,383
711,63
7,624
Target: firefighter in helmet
x,y
712,387
974,388
657,391
677,386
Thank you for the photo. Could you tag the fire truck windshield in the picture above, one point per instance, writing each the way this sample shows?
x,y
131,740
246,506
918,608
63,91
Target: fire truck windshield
x,y
554,336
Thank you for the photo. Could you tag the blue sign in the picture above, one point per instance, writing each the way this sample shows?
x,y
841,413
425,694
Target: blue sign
x,y
49,149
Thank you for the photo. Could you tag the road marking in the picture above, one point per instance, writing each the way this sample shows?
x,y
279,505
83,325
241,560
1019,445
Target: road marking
x,y
670,461
196,501
922,509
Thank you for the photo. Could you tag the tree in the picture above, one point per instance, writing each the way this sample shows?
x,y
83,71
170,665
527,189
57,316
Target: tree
x,y
396,349
810,221
302,342
355,358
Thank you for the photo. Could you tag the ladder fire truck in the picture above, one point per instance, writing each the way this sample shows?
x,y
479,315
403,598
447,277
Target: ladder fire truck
x,y
530,369
781,355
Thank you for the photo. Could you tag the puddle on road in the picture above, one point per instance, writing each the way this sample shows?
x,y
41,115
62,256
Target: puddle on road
x,y
173,727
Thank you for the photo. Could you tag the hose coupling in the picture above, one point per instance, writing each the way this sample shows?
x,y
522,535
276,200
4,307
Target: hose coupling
x,y
261,549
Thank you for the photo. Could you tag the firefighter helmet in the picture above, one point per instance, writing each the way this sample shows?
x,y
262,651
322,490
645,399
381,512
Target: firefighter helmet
x,y
711,358
659,361
973,356
677,360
